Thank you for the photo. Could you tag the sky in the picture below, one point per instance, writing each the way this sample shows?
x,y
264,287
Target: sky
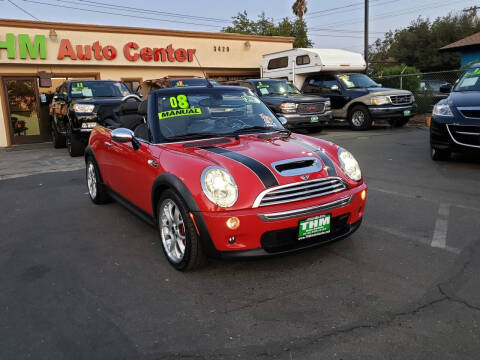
x,y
332,24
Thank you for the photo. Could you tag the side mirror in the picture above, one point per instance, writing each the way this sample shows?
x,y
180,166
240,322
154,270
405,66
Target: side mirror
x,y
446,88
335,88
59,97
379,85
283,120
122,135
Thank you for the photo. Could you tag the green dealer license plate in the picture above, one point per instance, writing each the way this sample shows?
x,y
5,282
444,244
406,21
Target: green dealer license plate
x,y
314,226
314,119
407,113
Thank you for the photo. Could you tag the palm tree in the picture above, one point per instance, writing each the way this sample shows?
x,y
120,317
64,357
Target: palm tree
x,y
300,8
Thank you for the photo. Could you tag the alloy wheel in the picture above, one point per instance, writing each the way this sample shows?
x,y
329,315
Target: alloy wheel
x,y
172,231
92,180
358,118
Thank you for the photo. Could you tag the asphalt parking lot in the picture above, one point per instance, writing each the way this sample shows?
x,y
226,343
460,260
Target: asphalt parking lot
x,y
80,281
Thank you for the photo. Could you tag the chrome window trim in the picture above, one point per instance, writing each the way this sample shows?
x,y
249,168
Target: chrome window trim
x,y
332,179
458,142
306,211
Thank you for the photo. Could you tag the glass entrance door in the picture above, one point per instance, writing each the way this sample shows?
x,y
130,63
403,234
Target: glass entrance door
x,y
23,116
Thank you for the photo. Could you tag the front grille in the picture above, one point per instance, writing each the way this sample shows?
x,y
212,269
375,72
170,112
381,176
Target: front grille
x,y
300,191
401,99
475,114
287,239
468,135
311,108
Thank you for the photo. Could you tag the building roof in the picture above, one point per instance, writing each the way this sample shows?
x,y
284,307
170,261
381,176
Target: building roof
x,y
471,40
143,31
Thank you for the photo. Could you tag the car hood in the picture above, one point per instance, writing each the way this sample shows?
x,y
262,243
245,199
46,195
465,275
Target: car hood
x,y
463,98
387,91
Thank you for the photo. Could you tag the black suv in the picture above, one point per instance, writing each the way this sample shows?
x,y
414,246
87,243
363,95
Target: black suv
x,y
78,106
285,100
456,120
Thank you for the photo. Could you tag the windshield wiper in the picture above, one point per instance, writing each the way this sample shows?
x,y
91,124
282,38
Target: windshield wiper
x,y
250,128
196,136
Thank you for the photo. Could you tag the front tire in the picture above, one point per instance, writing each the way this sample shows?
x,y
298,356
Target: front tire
x,y
96,190
439,154
180,241
74,144
359,118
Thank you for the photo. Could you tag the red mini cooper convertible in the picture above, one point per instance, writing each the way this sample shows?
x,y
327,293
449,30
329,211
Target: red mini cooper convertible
x,y
219,175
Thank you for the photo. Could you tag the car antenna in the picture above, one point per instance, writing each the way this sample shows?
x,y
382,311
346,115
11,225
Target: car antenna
x,y
209,84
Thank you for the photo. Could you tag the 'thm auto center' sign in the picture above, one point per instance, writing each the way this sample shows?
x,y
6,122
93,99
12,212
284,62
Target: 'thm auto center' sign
x,y
37,49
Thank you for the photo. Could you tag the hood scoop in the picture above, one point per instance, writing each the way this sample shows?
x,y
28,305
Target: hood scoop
x,y
299,166
206,143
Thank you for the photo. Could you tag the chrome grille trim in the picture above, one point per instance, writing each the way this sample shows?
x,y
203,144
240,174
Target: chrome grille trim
x,y
302,108
451,132
400,99
306,211
300,191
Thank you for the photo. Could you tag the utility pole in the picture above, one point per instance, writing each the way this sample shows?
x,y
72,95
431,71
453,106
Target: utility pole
x,y
473,11
366,33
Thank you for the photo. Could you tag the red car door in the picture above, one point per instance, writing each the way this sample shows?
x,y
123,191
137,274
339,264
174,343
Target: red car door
x,y
133,172
102,146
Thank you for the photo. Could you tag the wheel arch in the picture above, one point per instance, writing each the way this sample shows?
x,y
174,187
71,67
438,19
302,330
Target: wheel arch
x,y
356,103
170,181
90,154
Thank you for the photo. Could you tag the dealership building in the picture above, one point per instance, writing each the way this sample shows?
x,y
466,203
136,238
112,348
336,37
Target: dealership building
x,y
36,57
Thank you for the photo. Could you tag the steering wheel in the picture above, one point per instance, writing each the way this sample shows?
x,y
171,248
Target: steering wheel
x,y
131,96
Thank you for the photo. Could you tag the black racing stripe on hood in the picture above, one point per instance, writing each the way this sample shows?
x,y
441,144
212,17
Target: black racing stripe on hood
x,y
329,166
264,174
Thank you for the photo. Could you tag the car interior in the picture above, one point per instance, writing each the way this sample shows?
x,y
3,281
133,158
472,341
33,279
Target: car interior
x,y
130,115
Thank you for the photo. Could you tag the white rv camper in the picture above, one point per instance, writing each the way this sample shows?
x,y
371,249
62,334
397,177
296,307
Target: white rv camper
x,y
337,75
296,64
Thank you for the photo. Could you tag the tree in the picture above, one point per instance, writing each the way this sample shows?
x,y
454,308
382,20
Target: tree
x,y
300,8
241,24
418,44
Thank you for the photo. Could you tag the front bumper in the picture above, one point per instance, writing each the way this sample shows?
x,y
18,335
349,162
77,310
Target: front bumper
x,y
392,111
307,120
259,235
450,135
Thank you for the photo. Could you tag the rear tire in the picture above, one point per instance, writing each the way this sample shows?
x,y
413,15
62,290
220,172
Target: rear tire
x,y
439,154
359,118
74,144
58,140
180,242
96,189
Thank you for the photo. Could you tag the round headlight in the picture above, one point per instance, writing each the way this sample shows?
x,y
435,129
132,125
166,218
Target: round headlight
x,y
219,187
349,165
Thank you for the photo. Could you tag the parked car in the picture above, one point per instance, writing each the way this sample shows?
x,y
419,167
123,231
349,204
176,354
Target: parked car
x,y
170,81
284,99
336,75
455,125
78,106
433,87
219,175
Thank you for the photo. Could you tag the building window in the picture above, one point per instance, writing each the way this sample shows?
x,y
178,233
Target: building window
x,y
303,60
133,84
278,63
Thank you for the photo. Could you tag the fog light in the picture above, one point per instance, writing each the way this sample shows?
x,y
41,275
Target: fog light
x,y
232,240
233,223
363,195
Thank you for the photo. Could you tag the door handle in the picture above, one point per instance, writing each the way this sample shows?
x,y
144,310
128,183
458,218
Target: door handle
x,y
107,143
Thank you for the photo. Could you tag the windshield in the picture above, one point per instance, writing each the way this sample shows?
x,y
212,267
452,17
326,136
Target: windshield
x,y
269,87
86,89
469,81
210,112
350,81
191,82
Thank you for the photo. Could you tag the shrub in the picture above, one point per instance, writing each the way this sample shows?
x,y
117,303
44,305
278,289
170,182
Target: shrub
x,y
390,77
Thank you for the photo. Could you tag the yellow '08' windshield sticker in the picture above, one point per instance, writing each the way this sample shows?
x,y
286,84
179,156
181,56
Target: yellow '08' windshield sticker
x,y
179,112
